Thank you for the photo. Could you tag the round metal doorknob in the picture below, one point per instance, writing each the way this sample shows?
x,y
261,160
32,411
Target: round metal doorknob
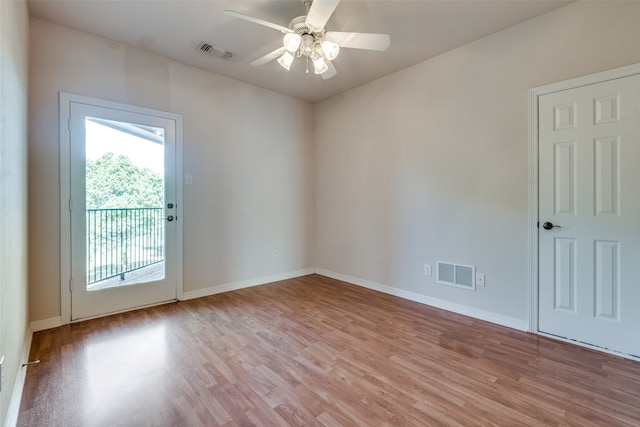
x,y
170,218
549,225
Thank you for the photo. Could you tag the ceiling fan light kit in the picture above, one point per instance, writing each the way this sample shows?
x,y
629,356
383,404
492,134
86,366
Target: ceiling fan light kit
x,y
330,49
286,60
302,43
292,41
306,37
319,64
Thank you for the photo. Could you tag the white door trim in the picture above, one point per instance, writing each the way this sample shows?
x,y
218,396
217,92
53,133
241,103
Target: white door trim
x,y
65,100
534,95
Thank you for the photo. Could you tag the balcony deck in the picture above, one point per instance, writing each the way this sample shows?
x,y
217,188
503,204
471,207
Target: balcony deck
x,y
150,273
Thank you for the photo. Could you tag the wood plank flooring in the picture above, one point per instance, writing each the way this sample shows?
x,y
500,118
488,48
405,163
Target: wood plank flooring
x,y
314,351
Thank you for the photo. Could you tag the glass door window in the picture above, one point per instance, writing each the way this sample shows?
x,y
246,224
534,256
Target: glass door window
x,y
123,209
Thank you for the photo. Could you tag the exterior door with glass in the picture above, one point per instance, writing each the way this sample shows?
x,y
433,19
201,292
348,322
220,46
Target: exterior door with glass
x,y
123,208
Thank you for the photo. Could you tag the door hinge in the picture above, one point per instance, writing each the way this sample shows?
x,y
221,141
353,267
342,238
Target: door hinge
x,y
70,204
69,124
70,285
538,224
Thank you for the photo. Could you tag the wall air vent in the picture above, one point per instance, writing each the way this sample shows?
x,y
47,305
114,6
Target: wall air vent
x,y
210,49
461,276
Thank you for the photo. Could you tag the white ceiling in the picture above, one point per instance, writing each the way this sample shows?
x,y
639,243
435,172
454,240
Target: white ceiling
x,y
419,29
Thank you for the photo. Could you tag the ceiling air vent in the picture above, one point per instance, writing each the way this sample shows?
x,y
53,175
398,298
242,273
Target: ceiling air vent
x,y
462,276
210,49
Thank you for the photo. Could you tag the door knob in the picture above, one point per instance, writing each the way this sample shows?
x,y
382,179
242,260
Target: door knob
x,y
549,225
170,218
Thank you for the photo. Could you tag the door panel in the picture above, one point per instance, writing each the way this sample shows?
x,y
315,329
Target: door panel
x,y
123,248
589,167
607,281
565,274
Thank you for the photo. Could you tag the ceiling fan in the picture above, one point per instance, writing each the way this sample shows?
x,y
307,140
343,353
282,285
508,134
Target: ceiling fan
x,y
306,37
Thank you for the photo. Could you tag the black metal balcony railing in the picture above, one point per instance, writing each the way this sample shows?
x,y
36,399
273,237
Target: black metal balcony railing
x,y
123,240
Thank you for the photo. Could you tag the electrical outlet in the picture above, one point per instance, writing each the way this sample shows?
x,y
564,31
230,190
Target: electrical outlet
x,y
427,269
1,373
276,255
480,279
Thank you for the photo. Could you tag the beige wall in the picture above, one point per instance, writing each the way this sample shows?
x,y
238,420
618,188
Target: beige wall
x,y
13,192
427,164
249,150
431,163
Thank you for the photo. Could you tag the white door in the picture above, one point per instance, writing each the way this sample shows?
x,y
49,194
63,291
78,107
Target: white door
x,y
123,209
589,211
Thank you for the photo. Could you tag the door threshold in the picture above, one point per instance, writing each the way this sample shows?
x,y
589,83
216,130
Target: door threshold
x,y
590,346
82,319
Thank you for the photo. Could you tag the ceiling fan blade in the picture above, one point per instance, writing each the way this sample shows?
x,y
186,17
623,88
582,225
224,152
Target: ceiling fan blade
x,y
257,21
368,41
331,71
320,12
268,57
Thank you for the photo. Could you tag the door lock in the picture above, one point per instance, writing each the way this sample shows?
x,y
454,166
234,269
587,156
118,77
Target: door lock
x,y
170,218
549,225
169,205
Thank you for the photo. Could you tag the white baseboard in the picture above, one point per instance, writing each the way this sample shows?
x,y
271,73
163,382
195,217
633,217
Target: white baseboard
x,y
244,284
18,387
41,325
510,322
54,322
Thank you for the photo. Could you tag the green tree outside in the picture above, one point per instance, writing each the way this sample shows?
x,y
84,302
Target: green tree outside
x,y
122,232
115,182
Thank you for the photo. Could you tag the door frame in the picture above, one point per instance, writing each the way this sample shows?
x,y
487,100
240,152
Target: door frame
x,y
65,99
533,264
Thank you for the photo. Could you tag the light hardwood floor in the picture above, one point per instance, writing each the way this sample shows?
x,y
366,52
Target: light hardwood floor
x,y
316,351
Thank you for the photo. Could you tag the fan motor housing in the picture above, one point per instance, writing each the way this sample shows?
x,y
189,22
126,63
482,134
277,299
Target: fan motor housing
x,y
299,26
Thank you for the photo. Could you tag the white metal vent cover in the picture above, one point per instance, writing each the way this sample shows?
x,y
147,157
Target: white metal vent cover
x,y
462,276
211,49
